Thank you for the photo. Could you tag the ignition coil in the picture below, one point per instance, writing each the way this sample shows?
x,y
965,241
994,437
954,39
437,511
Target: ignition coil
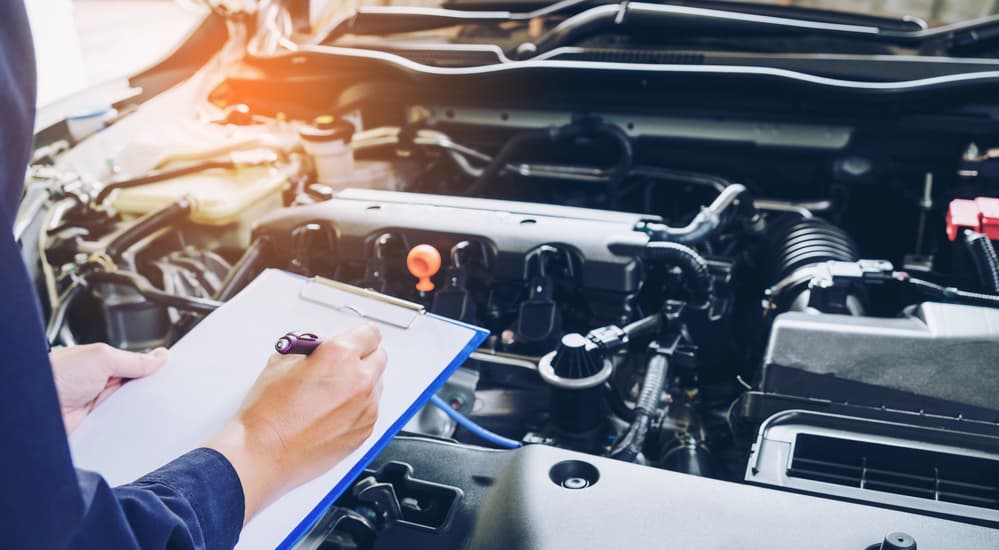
x,y
539,319
454,300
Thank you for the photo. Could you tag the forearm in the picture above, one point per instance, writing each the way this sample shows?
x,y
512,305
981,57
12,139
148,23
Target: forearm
x,y
256,460
193,502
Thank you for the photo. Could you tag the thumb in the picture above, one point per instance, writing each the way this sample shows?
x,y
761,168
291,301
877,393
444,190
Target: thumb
x,y
127,364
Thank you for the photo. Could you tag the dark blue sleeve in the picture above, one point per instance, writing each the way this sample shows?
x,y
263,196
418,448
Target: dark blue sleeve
x,y
189,503
194,502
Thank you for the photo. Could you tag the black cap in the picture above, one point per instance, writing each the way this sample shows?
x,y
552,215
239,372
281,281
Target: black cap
x,y
574,358
576,364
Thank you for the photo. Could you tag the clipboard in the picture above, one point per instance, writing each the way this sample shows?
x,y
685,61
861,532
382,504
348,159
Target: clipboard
x,y
151,421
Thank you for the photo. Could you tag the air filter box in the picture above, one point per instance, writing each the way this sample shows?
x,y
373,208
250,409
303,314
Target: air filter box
x,y
936,358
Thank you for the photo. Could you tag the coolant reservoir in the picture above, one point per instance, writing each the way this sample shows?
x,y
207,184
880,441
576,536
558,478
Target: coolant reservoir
x,y
328,141
220,196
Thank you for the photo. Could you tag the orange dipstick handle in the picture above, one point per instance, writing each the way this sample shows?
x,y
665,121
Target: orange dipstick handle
x,y
423,262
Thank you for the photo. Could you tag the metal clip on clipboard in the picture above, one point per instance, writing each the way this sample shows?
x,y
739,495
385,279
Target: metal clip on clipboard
x,y
363,302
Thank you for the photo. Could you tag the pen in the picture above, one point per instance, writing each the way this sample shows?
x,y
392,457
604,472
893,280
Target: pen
x,y
299,343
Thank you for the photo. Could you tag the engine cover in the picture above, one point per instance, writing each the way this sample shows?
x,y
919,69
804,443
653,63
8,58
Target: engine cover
x,y
938,358
605,242
603,246
513,500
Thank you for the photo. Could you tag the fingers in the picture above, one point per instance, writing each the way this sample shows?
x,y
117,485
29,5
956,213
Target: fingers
x,y
113,386
277,359
357,343
366,413
377,362
376,395
364,340
367,381
126,364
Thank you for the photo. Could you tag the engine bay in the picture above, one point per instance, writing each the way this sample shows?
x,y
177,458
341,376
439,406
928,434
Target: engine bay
x,y
802,304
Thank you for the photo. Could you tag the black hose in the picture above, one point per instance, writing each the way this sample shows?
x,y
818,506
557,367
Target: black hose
x,y
972,298
134,280
577,128
161,175
985,259
58,317
694,268
951,294
630,444
496,165
643,325
623,166
147,226
245,269
617,404
717,183
804,242
150,292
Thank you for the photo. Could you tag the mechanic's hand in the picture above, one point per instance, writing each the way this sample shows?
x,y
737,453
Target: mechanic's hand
x,y
87,375
303,415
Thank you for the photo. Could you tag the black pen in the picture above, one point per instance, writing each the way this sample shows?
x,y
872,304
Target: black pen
x,y
297,343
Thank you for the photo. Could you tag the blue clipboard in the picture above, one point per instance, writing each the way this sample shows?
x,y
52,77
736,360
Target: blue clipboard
x,y
316,514
153,420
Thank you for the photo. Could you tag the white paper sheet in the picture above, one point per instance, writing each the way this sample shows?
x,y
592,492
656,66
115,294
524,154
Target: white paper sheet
x,y
151,421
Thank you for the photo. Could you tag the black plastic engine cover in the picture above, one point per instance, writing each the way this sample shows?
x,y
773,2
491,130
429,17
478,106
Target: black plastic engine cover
x,y
603,242
511,501
938,359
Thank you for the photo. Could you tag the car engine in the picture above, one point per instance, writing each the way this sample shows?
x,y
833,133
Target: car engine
x,y
727,308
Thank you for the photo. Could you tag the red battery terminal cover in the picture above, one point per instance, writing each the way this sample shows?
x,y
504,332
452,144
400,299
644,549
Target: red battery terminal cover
x,y
980,215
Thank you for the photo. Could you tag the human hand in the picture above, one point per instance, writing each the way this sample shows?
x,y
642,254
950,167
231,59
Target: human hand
x,y
303,415
87,375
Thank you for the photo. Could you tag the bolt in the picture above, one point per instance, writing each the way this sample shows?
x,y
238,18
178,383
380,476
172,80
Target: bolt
x,y
971,153
508,337
575,483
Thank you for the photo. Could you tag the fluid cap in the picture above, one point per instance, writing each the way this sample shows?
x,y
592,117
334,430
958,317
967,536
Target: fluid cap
x,y
423,262
326,128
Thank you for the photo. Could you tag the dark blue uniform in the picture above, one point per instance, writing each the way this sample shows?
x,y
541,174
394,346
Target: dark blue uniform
x,y
194,502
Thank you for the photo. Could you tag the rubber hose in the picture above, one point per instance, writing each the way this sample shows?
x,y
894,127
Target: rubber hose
x,y
642,326
244,270
805,242
986,262
58,318
694,268
952,294
974,298
512,145
717,183
159,176
623,166
468,424
617,404
630,445
151,293
147,226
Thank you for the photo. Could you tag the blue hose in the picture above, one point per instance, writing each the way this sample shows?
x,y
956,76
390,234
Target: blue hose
x,y
464,422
